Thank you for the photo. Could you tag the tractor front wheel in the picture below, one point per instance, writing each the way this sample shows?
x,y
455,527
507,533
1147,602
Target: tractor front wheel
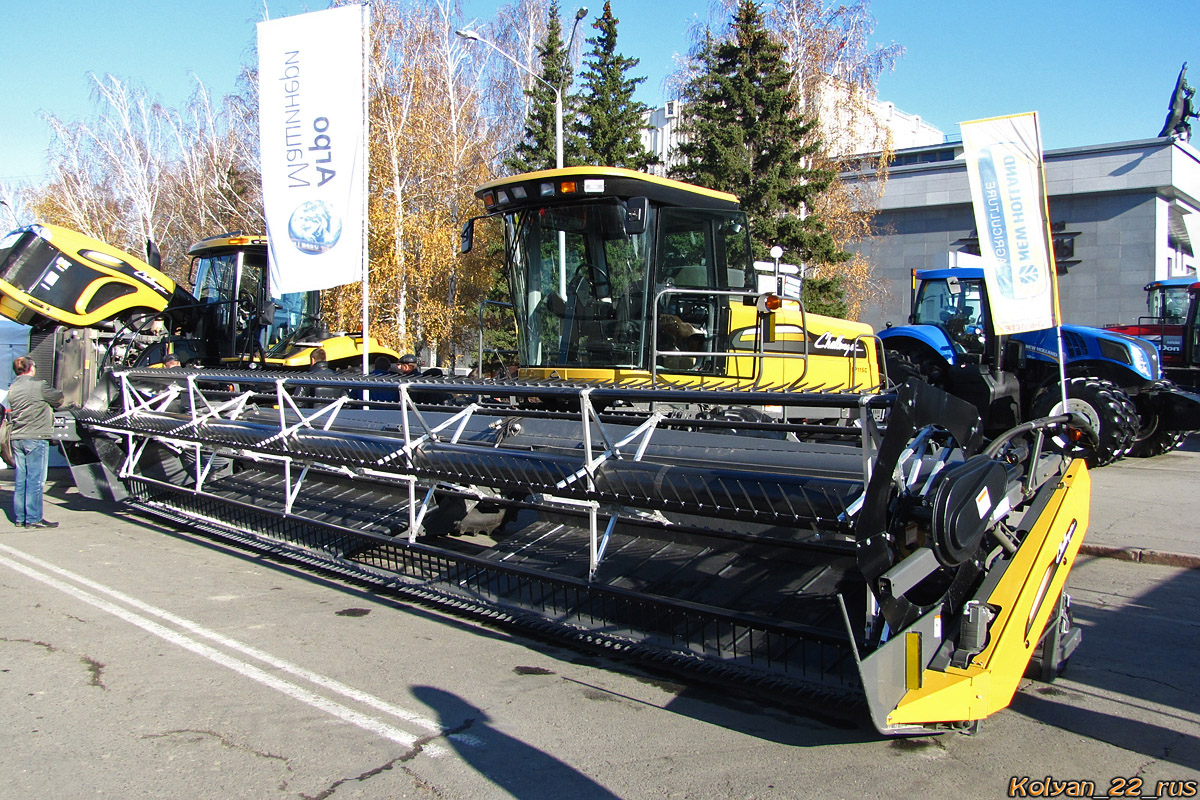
x,y
1108,409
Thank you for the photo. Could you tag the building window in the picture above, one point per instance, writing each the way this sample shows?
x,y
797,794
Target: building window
x,y
1062,240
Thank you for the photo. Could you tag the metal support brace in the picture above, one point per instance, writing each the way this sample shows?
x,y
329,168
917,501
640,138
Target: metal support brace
x,y
598,548
133,454
134,400
293,491
870,438
416,517
195,396
286,430
233,407
613,450
410,445
850,384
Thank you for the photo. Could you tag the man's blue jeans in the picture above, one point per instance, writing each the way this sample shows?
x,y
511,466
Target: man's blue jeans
x,y
30,455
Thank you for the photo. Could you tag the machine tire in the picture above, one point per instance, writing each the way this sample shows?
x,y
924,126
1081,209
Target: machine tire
x,y
905,364
1151,440
1108,409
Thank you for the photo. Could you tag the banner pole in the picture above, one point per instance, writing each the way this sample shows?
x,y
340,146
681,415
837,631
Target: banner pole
x,y
364,149
1057,307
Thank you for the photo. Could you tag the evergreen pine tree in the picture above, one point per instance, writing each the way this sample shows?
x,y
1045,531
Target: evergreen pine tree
x,y
610,124
742,132
537,150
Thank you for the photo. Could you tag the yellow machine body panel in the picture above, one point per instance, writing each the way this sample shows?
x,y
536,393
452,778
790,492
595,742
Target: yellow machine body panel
x,y
807,351
1025,600
339,351
75,280
804,349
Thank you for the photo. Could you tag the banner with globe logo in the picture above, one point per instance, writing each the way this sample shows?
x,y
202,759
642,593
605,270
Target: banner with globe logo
x,y
1008,194
312,129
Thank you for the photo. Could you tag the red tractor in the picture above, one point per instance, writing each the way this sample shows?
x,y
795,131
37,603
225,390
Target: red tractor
x,y
1170,324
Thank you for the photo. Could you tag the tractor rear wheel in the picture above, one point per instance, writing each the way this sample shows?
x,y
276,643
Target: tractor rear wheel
x,y
1108,409
1151,440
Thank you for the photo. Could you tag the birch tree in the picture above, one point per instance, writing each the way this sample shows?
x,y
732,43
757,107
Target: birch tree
x,y
430,147
139,170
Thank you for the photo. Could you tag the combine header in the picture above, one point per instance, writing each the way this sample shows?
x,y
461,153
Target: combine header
x,y
902,566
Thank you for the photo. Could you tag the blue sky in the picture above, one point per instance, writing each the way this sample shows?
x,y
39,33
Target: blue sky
x,y
1098,71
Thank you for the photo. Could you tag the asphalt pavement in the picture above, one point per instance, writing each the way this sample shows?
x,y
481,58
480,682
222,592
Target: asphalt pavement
x,y
1148,509
139,660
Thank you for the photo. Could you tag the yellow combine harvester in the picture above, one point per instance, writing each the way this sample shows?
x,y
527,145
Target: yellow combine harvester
x,y
89,304
277,333
652,482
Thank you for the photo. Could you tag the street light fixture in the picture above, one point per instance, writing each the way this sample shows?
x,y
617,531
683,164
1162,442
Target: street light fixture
x,y
558,125
558,104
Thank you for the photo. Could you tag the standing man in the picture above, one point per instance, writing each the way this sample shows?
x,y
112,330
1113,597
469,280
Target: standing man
x,y
31,403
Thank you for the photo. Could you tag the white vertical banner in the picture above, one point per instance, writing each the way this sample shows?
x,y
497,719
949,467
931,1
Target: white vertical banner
x,y
312,131
1004,166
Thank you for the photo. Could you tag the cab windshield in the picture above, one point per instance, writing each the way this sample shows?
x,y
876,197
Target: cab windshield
x,y
1168,303
577,283
232,298
583,288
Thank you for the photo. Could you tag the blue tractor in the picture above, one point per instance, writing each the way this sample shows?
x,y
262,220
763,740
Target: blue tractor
x,y
1115,381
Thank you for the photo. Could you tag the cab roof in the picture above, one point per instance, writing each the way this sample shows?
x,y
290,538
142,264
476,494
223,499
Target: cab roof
x,y
1184,280
225,241
572,184
962,273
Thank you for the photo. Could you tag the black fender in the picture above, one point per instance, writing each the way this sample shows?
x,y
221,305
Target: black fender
x,y
1177,410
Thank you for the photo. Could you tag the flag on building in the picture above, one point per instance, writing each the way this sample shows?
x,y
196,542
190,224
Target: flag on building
x,y
312,129
1004,167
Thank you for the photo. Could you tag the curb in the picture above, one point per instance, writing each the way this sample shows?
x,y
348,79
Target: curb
x,y
1140,556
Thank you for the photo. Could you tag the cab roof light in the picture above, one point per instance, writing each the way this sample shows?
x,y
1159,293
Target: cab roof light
x,y
489,199
502,197
547,189
519,192
569,187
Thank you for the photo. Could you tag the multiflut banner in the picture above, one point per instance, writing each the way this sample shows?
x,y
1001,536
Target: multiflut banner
x,y
1004,165
312,128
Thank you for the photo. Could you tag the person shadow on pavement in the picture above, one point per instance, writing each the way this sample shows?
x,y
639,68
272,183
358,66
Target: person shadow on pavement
x,y
521,770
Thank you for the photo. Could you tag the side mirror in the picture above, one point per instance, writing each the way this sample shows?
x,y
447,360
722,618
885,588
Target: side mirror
x,y
637,209
468,237
153,257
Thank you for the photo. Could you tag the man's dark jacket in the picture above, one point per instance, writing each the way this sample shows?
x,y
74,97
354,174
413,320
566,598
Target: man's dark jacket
x,y
31,403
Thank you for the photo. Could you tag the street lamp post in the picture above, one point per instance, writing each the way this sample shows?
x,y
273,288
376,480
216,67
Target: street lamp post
x,y
558,126
558,104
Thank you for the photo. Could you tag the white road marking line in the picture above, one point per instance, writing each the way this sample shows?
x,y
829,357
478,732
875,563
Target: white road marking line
x,y
331,707
323,681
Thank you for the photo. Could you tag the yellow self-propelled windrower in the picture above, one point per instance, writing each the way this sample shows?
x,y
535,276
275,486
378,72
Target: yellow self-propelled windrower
x,y
660,479
89,304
